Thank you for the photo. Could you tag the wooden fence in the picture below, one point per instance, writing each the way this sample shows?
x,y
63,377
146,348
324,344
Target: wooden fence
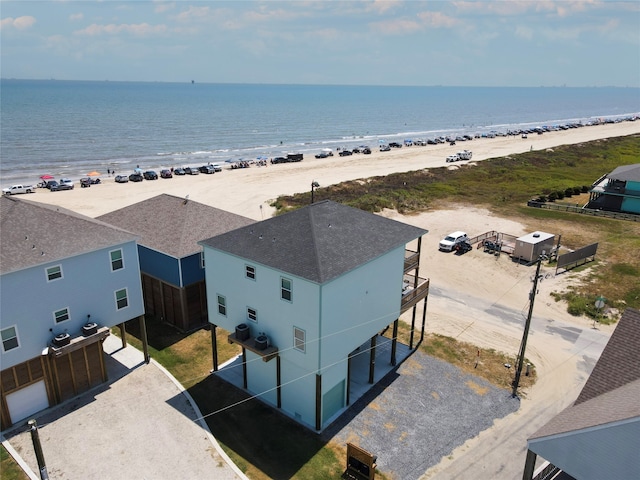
x,y
584,211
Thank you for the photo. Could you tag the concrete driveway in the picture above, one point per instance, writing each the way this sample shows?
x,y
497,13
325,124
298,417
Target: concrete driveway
x,y
140,425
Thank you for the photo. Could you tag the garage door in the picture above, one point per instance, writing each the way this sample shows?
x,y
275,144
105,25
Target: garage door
x,y
27,401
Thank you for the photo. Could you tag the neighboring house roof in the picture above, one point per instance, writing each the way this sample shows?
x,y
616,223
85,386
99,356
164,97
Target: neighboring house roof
x,y
33,233
319,242
627,173
608,401
174,225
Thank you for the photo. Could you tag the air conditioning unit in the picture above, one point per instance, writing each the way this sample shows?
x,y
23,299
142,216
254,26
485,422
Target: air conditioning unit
x,y
89,329
61,340
242,332
261,342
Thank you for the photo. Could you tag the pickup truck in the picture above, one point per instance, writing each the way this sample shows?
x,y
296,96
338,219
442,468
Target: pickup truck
x,y
15,189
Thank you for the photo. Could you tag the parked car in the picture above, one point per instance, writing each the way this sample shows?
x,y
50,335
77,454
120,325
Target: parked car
x,y
208,169
136,177
191,171
384,147
51,184
122,179
452,158
462,247
395,145
366,150
345,153
150,175
15,189
85,182
217,167
179,171
166,173
68,184
450,241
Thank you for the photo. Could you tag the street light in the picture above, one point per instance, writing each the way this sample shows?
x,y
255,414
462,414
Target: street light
x,y
314,184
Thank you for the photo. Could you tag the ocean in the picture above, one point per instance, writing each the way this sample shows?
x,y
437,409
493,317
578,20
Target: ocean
x,y
68,128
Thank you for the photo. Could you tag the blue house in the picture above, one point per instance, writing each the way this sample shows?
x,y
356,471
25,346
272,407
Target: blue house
x,y
307,293
619,191
171,262
65,279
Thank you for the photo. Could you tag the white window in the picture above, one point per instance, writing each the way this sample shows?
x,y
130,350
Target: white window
x,y
54,273
121,299
61,315
285,289
117,261
9,338
252,314
222,305
299,339
250,271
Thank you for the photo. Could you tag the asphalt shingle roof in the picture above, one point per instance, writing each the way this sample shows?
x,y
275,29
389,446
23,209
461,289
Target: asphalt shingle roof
x,y
319,242
173,225
33,233
626,173
612,390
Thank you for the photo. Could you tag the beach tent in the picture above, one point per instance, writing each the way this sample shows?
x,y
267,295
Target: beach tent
x,y
93,174
47,177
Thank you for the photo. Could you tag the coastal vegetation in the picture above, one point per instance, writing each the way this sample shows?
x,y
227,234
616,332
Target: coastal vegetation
x,y
504,185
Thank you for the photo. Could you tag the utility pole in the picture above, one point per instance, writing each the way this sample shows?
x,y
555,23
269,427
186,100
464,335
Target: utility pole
x,y
35,438
523,344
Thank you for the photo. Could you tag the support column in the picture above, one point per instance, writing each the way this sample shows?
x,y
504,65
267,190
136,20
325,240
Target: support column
x,y
143,338
349,378
123,335
278,382
424,318
214,348
318,402
394,343
529,465
244,368
372,358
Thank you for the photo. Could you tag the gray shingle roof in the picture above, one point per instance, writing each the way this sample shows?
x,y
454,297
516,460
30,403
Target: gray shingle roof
x,y
626,173
172,225
612,390
33,233
319,242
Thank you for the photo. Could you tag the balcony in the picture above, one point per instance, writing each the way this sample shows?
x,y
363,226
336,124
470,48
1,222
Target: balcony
x,y
411,294
411,260
256,345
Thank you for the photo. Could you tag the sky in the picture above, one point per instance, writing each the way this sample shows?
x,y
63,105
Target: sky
x,y
330,42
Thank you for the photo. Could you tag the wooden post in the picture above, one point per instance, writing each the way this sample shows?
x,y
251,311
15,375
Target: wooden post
x,y
143,338
214,347
424,318
318,402
244,367
394,342
529,465
123,334
278,382
372,358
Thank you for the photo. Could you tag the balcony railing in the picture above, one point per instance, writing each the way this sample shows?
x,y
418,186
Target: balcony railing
x,y
411,260
412,295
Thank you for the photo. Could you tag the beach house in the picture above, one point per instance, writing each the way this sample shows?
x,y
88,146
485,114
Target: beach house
x,y
171,262
618,191
307,295
64,280
597,436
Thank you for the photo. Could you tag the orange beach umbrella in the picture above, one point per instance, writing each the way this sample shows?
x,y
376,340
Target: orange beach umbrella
x,y
94,174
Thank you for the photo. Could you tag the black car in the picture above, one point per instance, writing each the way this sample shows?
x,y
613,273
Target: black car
x,y
85,182
191,171
165,173
345,153
150,175
136,177
208,169
179,171
395,145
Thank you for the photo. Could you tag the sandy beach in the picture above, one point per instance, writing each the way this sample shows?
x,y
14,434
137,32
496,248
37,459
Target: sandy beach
x,y
467,290
249,191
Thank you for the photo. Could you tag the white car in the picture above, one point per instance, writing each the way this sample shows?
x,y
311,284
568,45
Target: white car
x,y
67,182
452,158
451,240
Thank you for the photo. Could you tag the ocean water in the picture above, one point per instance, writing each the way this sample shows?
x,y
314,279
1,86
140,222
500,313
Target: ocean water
x,y
68,128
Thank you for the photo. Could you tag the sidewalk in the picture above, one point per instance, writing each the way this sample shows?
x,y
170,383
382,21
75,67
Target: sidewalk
x,y
139,425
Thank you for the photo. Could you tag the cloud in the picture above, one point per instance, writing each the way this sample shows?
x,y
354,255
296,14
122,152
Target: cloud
x,y
20,23
437,19
382,6
162,7
76,16
138,30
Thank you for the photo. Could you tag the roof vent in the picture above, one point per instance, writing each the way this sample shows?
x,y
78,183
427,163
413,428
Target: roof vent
x,y
536,235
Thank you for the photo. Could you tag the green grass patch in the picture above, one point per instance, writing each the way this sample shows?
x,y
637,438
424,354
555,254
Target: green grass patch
x,y
9,469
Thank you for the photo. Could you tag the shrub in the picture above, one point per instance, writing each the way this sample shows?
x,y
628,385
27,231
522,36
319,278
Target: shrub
x,y
552,197
560,194
585,188
568,192
577,190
